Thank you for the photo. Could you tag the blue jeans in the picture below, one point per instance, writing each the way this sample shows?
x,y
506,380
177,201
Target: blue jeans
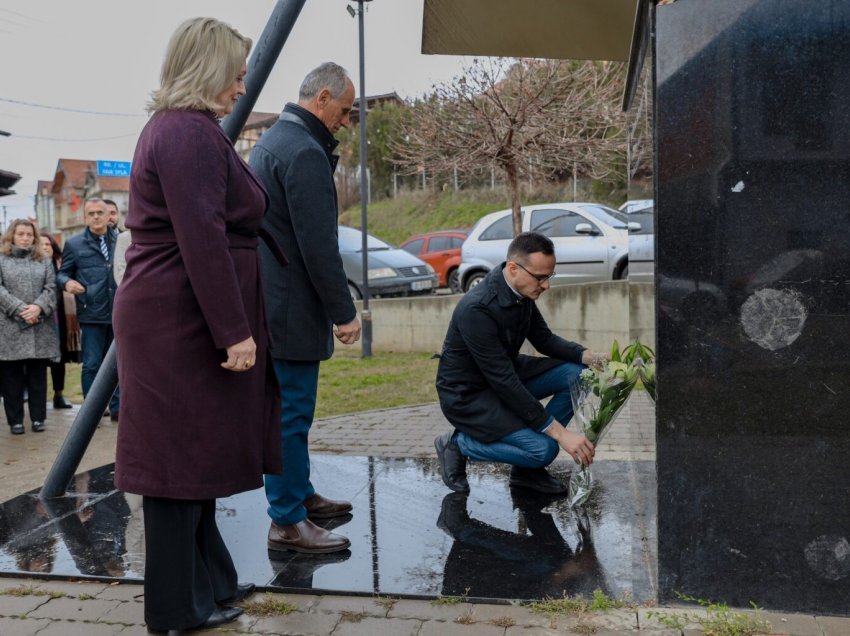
x,y
286,493
95,340
527,447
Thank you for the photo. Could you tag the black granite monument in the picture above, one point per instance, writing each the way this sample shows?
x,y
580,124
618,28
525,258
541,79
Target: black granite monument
x,y
753,301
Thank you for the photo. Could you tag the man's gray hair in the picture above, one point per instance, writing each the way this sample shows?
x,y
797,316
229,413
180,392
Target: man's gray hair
x,y
328,75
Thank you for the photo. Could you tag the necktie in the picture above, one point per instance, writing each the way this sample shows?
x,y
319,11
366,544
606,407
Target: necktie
x,y
103,249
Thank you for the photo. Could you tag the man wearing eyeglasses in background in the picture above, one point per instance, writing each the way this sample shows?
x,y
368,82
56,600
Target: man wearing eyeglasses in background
x,y
490,392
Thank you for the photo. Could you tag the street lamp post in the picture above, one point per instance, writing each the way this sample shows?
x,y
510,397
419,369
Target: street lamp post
x,y
366,314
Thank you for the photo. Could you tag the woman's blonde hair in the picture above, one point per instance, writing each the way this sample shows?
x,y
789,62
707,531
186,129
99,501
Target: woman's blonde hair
x,y
204,57
9,235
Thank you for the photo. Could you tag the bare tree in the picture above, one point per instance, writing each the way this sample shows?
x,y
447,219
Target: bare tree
x,y
524,117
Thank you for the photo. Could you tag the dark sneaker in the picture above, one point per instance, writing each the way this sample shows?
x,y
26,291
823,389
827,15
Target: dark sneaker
x,y
452,463
38,427
17,429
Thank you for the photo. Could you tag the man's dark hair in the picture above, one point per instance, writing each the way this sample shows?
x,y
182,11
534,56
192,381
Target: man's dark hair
x,y
111,202
528,243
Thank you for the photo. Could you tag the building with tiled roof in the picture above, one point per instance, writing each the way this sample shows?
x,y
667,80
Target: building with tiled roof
x,y
76,180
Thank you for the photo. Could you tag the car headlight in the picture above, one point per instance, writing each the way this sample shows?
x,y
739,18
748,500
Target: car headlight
x,y
382,272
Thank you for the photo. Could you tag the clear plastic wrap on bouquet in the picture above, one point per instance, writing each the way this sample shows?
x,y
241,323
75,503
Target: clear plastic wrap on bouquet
x,y
598,395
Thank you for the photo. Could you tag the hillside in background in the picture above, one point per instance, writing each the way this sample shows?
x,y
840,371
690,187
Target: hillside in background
x,y
414,212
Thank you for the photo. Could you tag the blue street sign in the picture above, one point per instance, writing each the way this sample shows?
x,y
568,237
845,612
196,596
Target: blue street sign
x,y
113,168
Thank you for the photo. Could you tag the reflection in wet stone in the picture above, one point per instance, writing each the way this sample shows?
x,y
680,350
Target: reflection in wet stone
x,y
409,534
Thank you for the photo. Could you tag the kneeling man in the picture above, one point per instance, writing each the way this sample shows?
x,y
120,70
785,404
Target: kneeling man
x,y
491,393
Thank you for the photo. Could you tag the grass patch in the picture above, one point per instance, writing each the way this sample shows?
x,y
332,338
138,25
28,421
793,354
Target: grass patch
x,y
577,605
387,602
716,619
503,621
584,628
269,605
349,383
24,590
451,600
348,616
465,618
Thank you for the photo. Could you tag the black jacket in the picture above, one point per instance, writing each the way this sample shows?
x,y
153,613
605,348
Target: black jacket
x,y
481,371
83,262
295,161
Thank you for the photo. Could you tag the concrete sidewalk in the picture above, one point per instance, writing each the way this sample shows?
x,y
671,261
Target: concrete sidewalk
x,y
60,608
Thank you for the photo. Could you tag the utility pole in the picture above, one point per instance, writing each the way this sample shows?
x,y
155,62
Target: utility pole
x,y
366,314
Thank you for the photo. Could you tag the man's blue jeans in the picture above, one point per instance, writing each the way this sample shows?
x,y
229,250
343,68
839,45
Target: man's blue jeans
x,y
286,493
95,340
529,448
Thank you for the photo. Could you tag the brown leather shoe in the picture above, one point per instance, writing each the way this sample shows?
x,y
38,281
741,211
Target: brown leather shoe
x,y
319,507
305,536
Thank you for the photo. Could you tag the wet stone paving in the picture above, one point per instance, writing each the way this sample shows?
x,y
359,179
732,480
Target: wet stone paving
x,y
410,535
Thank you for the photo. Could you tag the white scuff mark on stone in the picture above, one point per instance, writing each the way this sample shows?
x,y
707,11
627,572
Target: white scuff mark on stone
x,y
829,556
738,187
773,318
829,389
737,553
796,360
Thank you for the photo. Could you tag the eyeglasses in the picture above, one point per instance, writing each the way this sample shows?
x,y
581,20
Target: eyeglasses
x,y
540,278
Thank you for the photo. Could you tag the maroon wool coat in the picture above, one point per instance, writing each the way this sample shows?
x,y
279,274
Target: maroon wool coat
x,y
190,429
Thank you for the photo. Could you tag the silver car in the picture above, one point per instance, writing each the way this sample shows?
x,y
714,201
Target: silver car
x,y
591,242
392,271
640,217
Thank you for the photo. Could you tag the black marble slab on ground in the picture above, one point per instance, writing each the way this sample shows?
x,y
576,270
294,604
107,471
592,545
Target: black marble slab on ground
x,y
409,534
753,302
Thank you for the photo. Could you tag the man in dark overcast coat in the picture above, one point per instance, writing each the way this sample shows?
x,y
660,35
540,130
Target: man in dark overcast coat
x,y
491,393
307,302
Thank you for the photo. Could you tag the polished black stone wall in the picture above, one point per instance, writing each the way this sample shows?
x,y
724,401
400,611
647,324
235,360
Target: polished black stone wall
x,y
753,301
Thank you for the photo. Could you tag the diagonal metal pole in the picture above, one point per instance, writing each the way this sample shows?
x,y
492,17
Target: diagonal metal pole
x,y
260,66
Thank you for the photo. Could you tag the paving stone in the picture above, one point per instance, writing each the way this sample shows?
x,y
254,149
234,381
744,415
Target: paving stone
x,y
297,624
73,609
624,620
426,610
353,604
22,626
445,628
796,624
71,588
77,628
20,605
127,613
122,592
648,618
834,625
378,627
134,630
521,615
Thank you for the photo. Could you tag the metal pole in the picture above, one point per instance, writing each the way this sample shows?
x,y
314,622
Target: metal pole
x,y
262,61
365,315
82,430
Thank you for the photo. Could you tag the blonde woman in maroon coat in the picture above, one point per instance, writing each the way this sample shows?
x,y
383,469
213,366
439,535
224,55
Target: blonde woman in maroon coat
x,y
199,415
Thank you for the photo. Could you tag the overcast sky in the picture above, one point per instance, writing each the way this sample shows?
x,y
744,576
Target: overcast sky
x,y
94,55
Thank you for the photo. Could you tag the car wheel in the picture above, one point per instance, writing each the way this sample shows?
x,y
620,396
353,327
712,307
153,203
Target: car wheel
x,y
474,279
624,273
454,282
355,294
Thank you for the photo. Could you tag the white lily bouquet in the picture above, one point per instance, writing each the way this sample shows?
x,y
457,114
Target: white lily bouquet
x,y
598,396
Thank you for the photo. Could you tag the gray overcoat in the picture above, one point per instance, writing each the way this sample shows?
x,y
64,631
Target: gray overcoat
x,y
26,281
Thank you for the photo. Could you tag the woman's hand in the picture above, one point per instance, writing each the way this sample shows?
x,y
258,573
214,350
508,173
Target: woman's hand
x,y
593,359
241,356
30,314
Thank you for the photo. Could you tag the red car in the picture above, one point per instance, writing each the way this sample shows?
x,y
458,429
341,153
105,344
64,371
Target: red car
x,y
441,250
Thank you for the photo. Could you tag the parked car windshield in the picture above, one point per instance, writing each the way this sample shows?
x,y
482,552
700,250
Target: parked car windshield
x,y
610,216
350,240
